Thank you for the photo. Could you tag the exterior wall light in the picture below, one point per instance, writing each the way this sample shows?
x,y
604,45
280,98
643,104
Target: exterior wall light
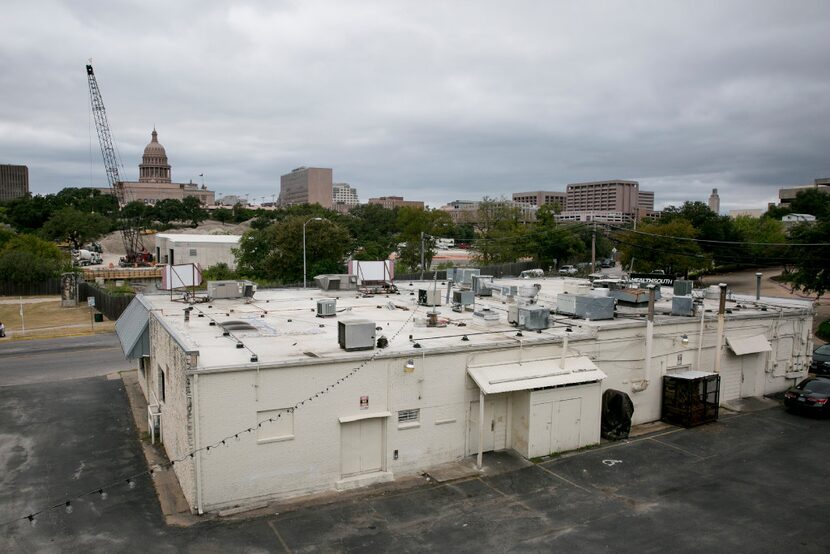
x,y
409,366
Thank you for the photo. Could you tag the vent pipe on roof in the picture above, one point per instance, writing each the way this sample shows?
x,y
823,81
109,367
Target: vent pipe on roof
x,y
758,286
565,347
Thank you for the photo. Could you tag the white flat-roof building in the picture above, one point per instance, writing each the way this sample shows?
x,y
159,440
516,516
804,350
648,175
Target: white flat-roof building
x,y
285,410
204,250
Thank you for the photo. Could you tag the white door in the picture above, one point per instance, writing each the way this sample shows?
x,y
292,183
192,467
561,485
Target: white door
x,y
567,424
751,370
495,425
555,426
361,446
541,429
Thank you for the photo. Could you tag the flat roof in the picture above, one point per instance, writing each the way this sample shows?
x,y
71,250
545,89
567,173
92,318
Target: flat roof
x,y
283,328
182,237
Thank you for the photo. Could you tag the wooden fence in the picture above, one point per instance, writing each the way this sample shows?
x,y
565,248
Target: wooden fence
x,y
48,287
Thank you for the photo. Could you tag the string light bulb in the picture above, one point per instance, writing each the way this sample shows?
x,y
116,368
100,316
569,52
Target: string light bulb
x,y
103,494
68,507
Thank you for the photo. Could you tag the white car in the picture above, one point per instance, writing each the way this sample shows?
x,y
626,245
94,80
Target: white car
x,y
568,270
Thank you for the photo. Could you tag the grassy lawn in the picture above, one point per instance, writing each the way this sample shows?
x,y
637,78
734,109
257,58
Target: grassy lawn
x,y
44,317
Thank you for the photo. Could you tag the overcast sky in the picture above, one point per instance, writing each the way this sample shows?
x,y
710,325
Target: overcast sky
x,y
434,101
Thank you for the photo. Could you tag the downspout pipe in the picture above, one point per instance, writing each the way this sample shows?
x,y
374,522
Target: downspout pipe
x,y
649,332
197,445
721,315
480,458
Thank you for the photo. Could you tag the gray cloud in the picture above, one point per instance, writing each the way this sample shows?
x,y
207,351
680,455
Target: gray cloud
x,y
433,101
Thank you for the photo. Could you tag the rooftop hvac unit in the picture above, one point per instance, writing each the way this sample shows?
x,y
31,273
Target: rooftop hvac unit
x,y
481,285
682,305
326,307
463,297
356,334
429,297
682,288
585,306
634,297
230,289
336,281
464,275
534,318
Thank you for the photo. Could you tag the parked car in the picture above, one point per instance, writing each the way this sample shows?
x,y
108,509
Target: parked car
x,y
821,360
606,263
812,395
568,270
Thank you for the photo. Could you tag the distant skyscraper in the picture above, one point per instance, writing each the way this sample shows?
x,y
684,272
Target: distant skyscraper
x,y
714,201
344,197
307,185
14,181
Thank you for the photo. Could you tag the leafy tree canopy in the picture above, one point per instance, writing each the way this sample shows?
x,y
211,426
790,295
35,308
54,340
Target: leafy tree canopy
x,y
75,226
29,259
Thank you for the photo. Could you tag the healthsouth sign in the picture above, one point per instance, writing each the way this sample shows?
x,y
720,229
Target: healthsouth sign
x,y
651,278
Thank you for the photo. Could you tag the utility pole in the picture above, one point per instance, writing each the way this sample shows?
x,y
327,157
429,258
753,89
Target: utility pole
x,y
422,255
631,265
721,316
594,249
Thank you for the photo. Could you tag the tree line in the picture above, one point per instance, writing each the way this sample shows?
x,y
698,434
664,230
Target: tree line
x,y
689,238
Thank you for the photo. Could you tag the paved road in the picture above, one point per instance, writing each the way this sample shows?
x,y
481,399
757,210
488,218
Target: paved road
x,y
749,483
40,361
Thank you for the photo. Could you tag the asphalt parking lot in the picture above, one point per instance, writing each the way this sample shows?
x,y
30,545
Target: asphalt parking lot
x,y
751,482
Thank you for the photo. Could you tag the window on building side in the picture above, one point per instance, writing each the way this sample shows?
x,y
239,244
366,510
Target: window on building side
x,y
192,251
409,416
161,385
281,428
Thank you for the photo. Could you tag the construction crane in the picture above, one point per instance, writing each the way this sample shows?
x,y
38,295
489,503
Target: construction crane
x,y
136,254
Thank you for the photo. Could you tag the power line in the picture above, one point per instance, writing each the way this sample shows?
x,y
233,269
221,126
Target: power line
x,y
710,241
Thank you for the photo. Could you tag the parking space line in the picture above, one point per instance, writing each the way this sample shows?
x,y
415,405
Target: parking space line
x,y
504,494
563,478
277,533
670,445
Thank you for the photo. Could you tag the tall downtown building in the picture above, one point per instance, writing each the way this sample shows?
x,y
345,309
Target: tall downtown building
x,y
14,181
307,185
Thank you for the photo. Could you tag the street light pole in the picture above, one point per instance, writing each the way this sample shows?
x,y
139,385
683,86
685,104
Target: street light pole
x,y
304,252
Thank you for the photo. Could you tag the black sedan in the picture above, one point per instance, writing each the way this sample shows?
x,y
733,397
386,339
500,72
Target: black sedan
x,y
821,360
812,395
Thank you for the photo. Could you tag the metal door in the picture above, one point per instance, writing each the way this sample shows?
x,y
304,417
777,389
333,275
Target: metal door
x,y
567,424
361,446
495,425
541,429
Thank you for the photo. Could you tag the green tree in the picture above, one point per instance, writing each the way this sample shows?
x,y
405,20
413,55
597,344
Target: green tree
x,y
812,201
552,243
75,226
655,246
167,210
29,259
137,213
28,213
767,240
709,226
812,263
276,252
193,211
502,236
222,215
411,222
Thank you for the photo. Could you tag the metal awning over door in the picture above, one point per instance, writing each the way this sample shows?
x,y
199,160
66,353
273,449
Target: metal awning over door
x,y
494,379
133,329
748,345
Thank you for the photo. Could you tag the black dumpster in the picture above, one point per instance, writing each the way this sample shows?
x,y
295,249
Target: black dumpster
x,y
99,318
